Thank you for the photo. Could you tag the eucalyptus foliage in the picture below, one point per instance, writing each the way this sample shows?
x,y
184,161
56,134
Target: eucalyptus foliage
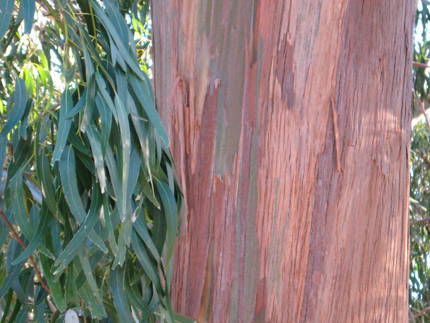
x,y
87,184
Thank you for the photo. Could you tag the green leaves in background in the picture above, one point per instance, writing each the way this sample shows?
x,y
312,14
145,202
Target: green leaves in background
x,y
89,183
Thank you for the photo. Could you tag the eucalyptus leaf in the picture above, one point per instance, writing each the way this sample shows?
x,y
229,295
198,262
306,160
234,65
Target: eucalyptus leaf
x,y
20,96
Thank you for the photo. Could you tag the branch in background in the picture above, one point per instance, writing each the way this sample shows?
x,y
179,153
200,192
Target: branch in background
x,y
420,221
419,314
426,2
423,65
25,247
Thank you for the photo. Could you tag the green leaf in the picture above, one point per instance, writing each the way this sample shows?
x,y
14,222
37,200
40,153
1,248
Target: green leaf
x,y
8,301
118,22
44,175
141,228
152,306
108,225
142,93
106,121
170,211
20,155
78,107
24,119
146,188
117,38
116,56
89,274
75,244
5,15
29,9
70,189
55,286
146,262
89,105
63,126
18,205
114,176
94,136
102,89
22,316
132,291
37,237
78,143
12,270
111,310
70,186
121,304
20,96
126,150
90,301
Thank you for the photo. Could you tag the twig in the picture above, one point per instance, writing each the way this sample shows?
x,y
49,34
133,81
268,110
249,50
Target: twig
x,y
423,65
25,247
420,221
419,314
417,208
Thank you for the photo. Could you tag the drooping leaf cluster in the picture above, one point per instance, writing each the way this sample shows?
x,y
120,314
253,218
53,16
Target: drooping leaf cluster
x,y
88,193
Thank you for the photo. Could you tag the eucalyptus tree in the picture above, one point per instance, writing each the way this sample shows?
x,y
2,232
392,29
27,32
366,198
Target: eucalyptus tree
x,y
290,124
89,204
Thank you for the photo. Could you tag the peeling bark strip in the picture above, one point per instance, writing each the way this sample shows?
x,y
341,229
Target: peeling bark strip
x,y
275,232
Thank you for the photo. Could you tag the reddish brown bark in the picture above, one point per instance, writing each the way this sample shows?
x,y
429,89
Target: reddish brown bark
x,y
290,127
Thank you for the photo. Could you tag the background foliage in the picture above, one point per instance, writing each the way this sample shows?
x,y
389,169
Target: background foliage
x,y
88,202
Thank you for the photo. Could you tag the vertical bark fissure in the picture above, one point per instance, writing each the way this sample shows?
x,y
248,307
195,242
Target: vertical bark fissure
x,y
275,233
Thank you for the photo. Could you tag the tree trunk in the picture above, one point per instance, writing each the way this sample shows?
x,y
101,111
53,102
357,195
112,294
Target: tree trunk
x,y
290,129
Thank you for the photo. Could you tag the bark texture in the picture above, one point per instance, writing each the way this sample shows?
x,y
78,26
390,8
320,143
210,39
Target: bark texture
x,y
290,128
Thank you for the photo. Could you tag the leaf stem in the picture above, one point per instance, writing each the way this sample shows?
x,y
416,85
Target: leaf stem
x,y
29,177
39,276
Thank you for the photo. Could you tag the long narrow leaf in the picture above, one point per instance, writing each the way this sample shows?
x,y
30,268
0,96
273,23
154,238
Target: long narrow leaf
x,y
63,126
18,205
121,304
37,237
73,247
141,91
5,15
29,9
20,96
169,206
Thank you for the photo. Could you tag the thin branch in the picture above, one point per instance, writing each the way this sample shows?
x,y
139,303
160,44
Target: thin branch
x,y
419,314
25,247
423,65
420,221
